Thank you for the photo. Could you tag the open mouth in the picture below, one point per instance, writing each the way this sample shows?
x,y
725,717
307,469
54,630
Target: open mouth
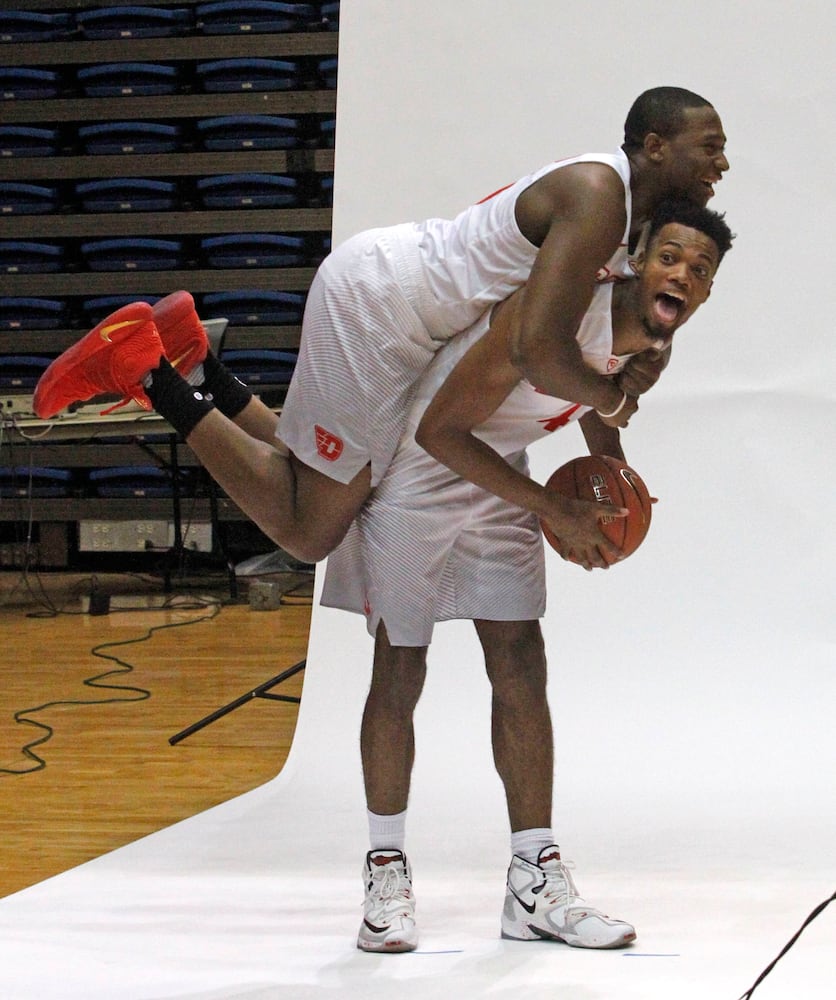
x,y
668,307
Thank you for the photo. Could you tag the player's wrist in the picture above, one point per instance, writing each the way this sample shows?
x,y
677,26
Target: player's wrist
x,y
613,411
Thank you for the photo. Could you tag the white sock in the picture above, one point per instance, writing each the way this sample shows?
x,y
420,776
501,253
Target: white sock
x,y
527,844
387,831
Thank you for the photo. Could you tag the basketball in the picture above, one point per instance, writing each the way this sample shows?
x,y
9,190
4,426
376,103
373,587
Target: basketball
x,y
605,479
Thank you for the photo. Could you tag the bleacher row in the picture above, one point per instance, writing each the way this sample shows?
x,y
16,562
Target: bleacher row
x,y
143,194
241,190
147,79
134,21
125,482
237,250
221,132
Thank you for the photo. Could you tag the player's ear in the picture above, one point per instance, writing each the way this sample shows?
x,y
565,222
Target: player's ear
x,y
637,263
653,146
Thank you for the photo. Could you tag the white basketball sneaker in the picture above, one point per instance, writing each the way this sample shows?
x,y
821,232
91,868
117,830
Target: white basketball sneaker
x,y
389,908
541,902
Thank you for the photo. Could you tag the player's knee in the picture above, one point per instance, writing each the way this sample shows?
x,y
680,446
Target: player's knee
x,y
308,550
308,543
515,659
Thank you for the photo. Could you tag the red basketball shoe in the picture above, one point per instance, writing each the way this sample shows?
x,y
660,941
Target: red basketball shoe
x,y
181,332
110,360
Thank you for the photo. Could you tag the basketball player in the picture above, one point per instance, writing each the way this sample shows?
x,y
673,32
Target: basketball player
x,y
430,546
382,304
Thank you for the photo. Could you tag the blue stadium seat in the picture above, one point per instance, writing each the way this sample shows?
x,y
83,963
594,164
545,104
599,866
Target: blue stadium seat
x,y
328,72
127,194
128,79
248,190
132,254
261,367
22,83
133,22
251,16
249,132
234,75
254,307
326,189
21,371
330,13
131,481
327,132
37,481
25,257
27,199
130,137
254,250
30,26
24,313
25,140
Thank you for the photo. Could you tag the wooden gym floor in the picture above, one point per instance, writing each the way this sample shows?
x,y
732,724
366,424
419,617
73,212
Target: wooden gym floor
x,y
109,774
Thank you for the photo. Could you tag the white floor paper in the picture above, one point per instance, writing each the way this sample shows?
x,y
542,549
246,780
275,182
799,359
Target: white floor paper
x,y
260,898
692,687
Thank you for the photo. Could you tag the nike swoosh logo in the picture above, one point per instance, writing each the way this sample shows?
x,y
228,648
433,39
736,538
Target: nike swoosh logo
x,y
375,930
106,331
528,907
178,361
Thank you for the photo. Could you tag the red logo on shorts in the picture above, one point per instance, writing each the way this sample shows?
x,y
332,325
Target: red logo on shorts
x,y
327,444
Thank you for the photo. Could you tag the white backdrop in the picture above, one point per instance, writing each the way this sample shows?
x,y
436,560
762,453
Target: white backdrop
x,y
692,686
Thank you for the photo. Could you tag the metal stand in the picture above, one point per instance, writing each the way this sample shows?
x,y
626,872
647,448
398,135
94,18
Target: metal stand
x,y
262,691
177,554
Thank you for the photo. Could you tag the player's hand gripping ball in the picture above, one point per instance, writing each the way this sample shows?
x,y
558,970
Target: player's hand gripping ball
x,y
605,479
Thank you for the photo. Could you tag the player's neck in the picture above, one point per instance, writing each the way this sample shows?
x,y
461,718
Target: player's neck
x,y
643,194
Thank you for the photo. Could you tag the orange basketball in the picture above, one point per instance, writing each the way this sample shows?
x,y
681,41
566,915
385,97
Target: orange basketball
x,y
605,479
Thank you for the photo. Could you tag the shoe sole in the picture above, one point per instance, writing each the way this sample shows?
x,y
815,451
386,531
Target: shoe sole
x,y
392,947
172,313
540,935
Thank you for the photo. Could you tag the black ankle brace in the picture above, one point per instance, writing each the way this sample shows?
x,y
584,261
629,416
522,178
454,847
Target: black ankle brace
x,y
227,392
174,399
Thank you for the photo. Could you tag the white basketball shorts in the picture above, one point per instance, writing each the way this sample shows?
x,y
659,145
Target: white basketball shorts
x,y
363,346
471,556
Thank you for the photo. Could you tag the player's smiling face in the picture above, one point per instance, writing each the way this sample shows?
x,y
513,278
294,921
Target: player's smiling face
x,y
695,157
675,277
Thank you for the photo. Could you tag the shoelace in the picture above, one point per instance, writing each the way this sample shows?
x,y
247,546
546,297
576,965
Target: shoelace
x,y
560,885
387,888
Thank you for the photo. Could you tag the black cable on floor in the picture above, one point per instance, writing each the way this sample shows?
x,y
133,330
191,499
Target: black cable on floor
x,y
818,910
122,667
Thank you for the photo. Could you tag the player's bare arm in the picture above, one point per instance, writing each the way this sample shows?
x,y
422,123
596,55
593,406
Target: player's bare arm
x,y
473,390
576,216
600,438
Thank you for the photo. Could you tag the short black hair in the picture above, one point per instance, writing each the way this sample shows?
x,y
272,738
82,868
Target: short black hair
x,y
686,213
660,110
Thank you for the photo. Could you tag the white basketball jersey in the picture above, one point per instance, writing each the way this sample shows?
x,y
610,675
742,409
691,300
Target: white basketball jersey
x,y
455,269
526,414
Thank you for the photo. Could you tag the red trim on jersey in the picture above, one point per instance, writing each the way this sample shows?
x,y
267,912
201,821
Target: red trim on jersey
x,y
557,163
495,193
